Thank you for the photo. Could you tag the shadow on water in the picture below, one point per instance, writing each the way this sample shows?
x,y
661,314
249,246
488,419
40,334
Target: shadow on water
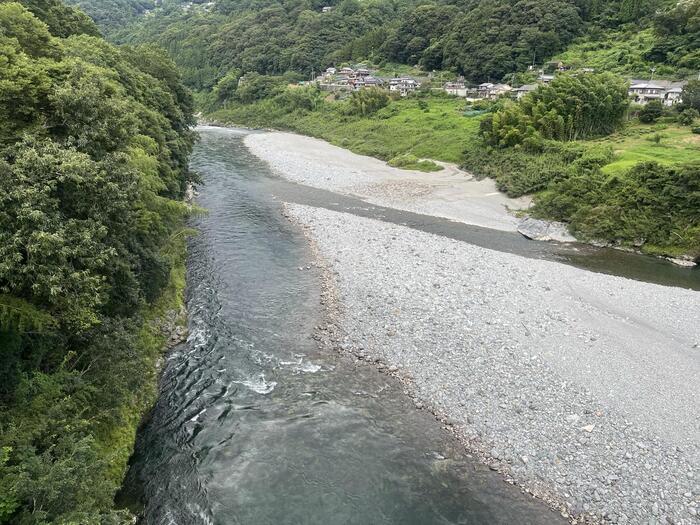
x,y
255,424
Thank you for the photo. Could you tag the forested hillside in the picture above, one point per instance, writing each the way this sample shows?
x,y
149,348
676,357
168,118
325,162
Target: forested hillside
x,y
94,148
481,39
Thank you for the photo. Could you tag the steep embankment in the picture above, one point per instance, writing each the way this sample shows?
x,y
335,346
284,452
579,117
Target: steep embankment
x,y
94,148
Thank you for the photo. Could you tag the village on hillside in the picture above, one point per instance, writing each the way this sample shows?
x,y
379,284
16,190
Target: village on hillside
x,y
348,79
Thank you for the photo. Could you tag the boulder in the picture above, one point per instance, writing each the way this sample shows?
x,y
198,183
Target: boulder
x,y
539,230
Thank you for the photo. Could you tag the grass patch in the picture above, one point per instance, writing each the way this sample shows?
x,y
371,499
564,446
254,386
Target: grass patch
x,y
411,162
431,128
636,143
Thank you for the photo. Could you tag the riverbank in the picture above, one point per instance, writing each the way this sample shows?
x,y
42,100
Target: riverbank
x,y
606,211
580,387
450,193
164,325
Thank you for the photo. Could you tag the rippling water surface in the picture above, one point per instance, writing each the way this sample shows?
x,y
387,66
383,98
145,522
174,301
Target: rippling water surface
x,y
255,425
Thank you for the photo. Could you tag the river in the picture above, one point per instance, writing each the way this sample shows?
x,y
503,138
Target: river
x,y
255,424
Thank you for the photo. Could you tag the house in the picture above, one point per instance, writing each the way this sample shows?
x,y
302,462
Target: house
x,y
327,9
403,85
666,91
347,71
673,95
556,66
365,81
328,75
523,90
644,91
491,91
362,72
545,79
458,88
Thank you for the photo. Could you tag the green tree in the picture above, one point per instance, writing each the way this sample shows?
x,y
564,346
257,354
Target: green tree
x,y
687,116
571,107
225,88
94,148
30,33
367,101
690,96
651,111
519,32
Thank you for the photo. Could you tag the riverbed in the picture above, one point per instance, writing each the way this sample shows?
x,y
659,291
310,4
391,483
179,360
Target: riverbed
x,y
577,382
259,422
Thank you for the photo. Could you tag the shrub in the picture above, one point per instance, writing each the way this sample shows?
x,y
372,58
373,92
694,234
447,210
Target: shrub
x,y
651,112
688,116
411,162
691,95
657,204
300,99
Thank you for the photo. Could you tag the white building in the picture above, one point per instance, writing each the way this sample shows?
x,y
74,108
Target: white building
x,y
458,88
666,91
673,96
403,85
491,91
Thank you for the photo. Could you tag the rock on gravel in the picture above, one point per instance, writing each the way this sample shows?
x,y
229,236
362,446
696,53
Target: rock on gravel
x,y
540,230
575,384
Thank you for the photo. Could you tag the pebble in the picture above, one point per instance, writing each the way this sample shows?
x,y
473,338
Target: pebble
x,y
466,350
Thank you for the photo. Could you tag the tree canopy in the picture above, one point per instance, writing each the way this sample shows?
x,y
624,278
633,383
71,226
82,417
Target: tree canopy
x,y
94,151
484,40
571,107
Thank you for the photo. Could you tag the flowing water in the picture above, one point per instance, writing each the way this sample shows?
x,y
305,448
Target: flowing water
x,y
257,425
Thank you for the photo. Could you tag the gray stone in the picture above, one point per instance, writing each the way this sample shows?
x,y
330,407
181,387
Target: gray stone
x,y
539,230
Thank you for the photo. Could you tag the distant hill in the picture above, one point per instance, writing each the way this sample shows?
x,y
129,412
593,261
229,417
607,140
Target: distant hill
x,y
480,39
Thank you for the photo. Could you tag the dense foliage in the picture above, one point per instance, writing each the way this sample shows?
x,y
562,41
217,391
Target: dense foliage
x,y
481,39
93,164
651,112
520,32
650,205
679,36
571,107
115,13
691,95
263,36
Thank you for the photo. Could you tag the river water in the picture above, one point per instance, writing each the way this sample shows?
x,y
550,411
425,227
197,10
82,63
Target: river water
x,y
255,424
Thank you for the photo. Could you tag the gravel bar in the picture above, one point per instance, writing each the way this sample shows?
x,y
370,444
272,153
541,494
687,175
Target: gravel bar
x,y
450,193
580,387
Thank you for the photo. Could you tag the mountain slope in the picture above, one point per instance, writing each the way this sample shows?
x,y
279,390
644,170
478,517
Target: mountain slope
x,y
480,39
